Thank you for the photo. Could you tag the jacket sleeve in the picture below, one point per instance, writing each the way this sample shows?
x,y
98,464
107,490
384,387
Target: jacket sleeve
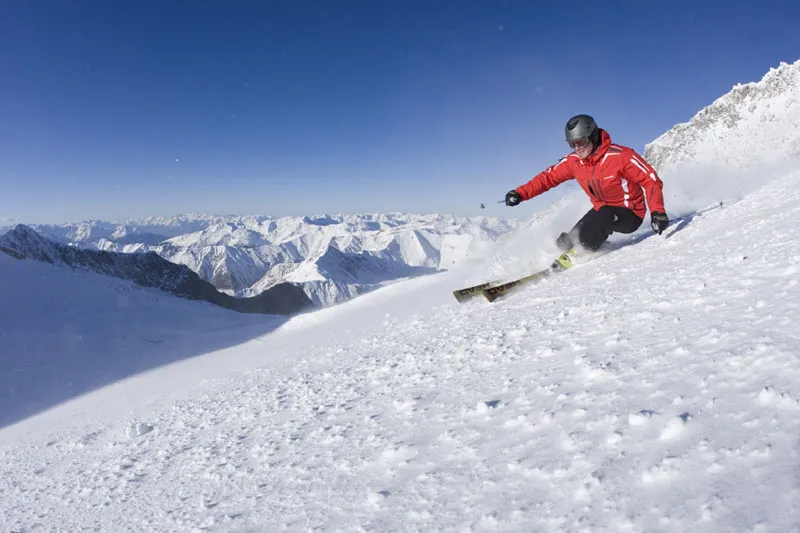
x,y
546,180
639,171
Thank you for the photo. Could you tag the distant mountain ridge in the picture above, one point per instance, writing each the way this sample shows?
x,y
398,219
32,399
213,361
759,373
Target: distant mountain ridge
x,y
333,257
149,270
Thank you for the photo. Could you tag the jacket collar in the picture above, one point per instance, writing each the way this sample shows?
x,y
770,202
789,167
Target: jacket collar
x,y
600,151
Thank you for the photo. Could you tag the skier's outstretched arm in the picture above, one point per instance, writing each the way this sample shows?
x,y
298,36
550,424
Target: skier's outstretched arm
x,y
544,181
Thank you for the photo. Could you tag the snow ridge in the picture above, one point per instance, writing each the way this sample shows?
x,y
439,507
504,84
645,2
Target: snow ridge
x,y
752,125
148,270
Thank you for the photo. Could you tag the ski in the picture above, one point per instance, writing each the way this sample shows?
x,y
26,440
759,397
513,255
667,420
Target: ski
x,y
467,293
562,263
462,295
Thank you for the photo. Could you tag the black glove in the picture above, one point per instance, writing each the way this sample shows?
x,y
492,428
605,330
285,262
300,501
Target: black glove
x,y
659,222
513,198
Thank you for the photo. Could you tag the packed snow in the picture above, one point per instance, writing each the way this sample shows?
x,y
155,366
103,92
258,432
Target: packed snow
x,y
654,388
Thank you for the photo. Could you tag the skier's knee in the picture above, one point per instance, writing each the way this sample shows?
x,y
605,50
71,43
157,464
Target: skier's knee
x,y
592,239
592,245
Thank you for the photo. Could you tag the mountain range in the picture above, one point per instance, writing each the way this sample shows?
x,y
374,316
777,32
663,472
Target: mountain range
x,y
331,257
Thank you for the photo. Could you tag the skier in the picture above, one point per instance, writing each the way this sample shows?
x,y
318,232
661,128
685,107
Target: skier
x,y
615,177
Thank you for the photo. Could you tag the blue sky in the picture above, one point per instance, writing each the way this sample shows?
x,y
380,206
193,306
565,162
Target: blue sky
x,y
122,109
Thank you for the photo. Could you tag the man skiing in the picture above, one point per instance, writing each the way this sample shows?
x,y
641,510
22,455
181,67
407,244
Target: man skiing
x,y
615,178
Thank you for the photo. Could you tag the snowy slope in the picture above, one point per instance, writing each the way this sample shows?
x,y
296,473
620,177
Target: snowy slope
x,y
64,333
654,389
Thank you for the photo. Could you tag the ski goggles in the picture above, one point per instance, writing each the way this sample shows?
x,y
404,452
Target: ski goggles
x,y
578,143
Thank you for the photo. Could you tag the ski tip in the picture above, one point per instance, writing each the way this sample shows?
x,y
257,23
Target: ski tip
x,y
461,298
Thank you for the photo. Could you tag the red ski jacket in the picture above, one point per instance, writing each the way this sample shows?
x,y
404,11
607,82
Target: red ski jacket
x,y
613,175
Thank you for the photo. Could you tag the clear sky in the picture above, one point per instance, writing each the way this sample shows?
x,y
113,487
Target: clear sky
x,y
117,109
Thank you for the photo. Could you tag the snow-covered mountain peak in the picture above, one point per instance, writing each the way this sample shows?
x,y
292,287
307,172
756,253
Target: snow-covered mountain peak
x,y
220,234
753,124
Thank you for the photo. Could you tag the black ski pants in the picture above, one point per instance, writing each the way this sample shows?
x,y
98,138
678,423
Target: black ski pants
x,y
596,226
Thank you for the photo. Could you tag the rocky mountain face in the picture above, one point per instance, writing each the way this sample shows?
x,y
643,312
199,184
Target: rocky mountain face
x,y
732,146
751,126
332,257
150,270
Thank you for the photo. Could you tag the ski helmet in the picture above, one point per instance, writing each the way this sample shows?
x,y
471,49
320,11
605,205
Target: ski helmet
x,y
581,126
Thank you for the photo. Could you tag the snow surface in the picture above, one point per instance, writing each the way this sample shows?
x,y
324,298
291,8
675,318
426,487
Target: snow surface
x,y
654,388
64,333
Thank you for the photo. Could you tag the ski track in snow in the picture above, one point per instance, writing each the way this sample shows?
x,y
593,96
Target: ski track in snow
x,y
654,389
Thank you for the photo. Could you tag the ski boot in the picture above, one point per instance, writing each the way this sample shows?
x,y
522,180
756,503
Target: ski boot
x,y
563,261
